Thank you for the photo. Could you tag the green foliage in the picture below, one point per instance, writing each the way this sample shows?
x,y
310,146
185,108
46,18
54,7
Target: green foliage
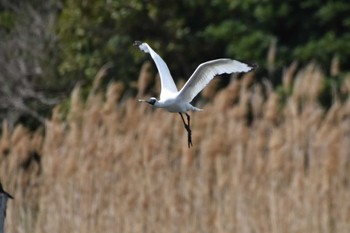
x,y
186,33
7,20
88,34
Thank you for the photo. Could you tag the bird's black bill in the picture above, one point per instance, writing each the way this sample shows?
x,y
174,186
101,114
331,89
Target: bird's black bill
x,y
188,128
151,101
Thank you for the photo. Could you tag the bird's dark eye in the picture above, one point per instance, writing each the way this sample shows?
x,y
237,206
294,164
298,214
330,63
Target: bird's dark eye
x,y
151,101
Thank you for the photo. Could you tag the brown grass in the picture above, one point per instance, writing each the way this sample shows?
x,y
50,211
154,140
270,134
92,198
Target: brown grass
x,y
126,167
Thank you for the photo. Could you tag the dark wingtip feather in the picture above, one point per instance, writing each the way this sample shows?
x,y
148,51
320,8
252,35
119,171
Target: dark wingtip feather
x,y
253,65
137,43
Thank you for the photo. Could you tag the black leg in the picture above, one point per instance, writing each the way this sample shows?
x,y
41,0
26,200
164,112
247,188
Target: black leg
x,y
187,127
188,120
189,131
183,120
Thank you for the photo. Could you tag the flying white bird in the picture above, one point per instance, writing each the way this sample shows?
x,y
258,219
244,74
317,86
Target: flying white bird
x,y
179,101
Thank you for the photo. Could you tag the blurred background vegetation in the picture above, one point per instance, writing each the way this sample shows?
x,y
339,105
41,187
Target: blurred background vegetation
x,y
280,142
48,46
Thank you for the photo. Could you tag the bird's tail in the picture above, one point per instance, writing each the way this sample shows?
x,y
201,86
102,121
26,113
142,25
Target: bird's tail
x,y
142,46
195,109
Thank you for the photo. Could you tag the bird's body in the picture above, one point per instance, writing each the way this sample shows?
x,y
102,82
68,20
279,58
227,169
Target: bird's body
x,y
174,104
173,100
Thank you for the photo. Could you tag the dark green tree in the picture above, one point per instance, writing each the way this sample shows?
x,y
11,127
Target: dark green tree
x,y
90,33
189,32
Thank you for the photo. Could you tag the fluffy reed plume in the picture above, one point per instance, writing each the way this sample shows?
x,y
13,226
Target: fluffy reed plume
x,y
271,110
225,98
99,76
76,106
345,88
271,56
308,84
157,85
113,96
119,166
335,66
210,91
145,79
288,75
5,139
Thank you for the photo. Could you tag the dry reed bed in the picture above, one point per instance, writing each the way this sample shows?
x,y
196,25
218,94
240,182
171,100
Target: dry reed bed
x,y
127,168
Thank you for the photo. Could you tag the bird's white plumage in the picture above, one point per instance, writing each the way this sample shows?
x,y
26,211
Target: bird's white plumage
x,y
206,72
167,83
179,101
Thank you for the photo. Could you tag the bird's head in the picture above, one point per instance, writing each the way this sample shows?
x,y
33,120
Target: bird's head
x,y
150,101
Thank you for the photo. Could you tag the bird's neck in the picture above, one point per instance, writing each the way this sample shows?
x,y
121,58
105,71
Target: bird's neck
x,y
159,104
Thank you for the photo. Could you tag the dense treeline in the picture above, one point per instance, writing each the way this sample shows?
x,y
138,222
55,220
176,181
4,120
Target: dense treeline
x,y
78,37
193,31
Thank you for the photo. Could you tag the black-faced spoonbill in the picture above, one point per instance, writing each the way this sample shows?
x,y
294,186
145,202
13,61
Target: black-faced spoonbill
x,y
179,101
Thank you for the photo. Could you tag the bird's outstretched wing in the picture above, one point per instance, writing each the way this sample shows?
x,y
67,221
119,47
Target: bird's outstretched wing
x,y
205,72
167,82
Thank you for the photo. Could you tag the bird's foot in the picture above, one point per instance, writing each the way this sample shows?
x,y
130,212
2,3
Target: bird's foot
x,y
188,128
189,136
189,140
